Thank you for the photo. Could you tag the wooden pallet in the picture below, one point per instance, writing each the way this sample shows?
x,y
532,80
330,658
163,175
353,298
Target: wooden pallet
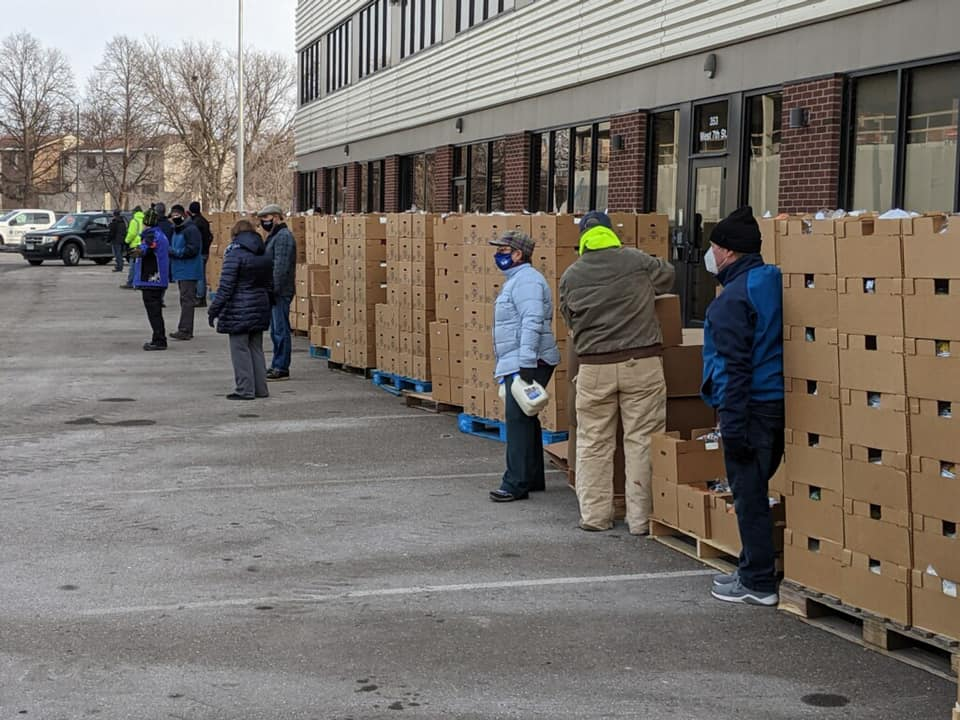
x,y
927,651
709,553
425,402
349,369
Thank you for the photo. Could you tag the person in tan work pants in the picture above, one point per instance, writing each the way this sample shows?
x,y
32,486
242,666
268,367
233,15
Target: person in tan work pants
x,y
607,300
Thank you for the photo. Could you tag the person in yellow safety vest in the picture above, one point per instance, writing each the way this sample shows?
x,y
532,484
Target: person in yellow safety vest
x,y
134,228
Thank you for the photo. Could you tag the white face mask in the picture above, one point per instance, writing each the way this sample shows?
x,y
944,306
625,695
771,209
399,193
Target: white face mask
x,y
710,261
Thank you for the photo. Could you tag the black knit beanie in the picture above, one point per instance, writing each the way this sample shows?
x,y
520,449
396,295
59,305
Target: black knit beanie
x,y
738,232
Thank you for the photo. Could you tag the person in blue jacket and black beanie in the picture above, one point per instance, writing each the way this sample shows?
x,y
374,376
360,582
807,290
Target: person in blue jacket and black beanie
x,y
186,268
743,379
151,275
282,249
525,347
243,305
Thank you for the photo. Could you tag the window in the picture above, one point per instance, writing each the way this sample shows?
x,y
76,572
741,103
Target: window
x,y
571,169
540,163
479,169
307,190
711,126
417,177
310,73
39,219
666,153
336,192
874,141
561,172
364,187
474,12
930,177
479,183
421,25
764,115
338,57
582,163
601,179
374,40
377,170
460,178
101,222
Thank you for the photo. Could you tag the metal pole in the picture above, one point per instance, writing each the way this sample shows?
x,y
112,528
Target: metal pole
x,y
78,158
240,128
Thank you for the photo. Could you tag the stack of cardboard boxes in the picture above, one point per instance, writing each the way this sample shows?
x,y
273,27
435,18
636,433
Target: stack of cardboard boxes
x,y
324,239
447,349
403,322
360,281
871,439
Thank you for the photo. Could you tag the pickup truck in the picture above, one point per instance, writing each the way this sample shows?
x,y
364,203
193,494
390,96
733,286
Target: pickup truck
x,y
14,224
74,237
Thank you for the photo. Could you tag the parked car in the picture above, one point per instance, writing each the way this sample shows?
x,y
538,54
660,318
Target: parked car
x,y
14,224
74,237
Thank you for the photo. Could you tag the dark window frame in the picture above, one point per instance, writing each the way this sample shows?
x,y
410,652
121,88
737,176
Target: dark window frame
x,y
307,190
373,51
535,188
415,36
479,11
339,66
743,191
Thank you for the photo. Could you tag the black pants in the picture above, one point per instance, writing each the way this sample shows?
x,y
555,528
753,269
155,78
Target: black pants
x,y
524,443
750,482
153,302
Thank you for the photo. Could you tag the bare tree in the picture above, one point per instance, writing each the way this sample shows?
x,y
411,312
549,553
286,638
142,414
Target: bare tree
x,y
36,85
117,124
193,87
269,178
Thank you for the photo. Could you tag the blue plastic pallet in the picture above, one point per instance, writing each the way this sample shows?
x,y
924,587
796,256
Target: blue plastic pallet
x,y
211,296
497,430
321,353
396,384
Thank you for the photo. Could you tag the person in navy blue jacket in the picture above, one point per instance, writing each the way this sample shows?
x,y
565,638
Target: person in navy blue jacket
x,y
151,275
743,380
242,306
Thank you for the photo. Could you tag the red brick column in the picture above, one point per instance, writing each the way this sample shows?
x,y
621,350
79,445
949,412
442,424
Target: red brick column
x,y
628,166
516,191
391,184
353,188
443,179
810,156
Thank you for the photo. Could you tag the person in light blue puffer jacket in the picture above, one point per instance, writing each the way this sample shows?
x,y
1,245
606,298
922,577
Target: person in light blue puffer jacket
x,y
525,347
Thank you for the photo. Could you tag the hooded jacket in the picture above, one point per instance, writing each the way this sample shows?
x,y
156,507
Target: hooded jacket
x,y
743,344
243,303
522,316
152,269
282,248
134,228
607,296
186,247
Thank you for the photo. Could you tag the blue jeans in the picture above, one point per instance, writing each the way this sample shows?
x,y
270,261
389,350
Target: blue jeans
x,y
750,483
118,256
202,282
130,273
280,334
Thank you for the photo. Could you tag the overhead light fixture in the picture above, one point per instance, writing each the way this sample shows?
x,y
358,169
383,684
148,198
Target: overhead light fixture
x,y
459,125
617,142
346,149
798,118
710,66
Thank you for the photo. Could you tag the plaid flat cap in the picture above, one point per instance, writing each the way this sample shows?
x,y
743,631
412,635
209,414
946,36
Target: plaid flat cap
x,y
517,240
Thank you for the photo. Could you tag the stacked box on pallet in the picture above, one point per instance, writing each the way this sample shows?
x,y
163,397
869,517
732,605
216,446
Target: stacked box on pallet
x,y
931,250
813,445
364,286
319,229
336,335
446,332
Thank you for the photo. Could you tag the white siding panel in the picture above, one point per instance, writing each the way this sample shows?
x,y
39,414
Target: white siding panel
x,y
541,48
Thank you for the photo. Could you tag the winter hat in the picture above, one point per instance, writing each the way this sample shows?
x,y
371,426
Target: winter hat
x,y
738,232
161,209
151,218
194,208
594,218
517,240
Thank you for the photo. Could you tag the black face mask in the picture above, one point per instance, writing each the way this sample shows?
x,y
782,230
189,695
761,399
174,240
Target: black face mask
x,y
177,221
267,225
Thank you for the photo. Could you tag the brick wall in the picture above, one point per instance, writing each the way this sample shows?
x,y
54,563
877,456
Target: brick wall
x,y
443,179
628,166
810,156
517,172
391,184
352,204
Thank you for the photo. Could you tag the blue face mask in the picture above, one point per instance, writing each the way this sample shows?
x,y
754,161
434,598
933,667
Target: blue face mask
x,y
504,260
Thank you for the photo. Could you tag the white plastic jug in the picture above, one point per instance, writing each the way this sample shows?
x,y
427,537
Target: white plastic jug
x,y
531,397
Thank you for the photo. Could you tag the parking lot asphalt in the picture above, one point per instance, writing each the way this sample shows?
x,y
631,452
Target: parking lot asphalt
x,y
329,553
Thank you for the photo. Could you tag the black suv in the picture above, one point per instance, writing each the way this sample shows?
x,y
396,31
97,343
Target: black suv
x,y
74,237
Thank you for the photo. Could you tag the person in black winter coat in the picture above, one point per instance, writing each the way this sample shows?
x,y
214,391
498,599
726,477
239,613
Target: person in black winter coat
x,y
242,308
118,234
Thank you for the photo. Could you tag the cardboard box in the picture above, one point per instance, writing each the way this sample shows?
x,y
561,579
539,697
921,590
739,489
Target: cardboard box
x,y
811,352
933,369
481,229
936,545
871,306
814,459
478,317
936,606
875,419
665,506
803,254
816,511
625,226
876,476
877,530
441,389
686,461
653,235
448,229
934,249
724,530
812,406
671,319
683,368
812,562
879,586
555,231
877,256
873,362
931,308
810,300
935,488
693,501
318,336
687,414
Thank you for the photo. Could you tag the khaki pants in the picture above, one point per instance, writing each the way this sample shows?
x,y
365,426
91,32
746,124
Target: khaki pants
x,y
636,392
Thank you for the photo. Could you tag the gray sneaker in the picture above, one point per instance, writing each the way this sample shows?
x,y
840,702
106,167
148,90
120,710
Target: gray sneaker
x,y
737,593
721,580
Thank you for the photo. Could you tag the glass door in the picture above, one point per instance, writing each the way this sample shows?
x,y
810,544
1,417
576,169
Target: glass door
x,y
707,205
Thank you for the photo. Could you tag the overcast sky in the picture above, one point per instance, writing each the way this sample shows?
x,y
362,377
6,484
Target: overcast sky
x,y
82,27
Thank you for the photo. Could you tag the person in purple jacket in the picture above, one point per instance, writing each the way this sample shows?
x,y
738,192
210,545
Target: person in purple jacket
x,y
151,275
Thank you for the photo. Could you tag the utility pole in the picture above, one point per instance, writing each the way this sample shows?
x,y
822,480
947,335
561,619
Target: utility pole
x,y
240,128
78,158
